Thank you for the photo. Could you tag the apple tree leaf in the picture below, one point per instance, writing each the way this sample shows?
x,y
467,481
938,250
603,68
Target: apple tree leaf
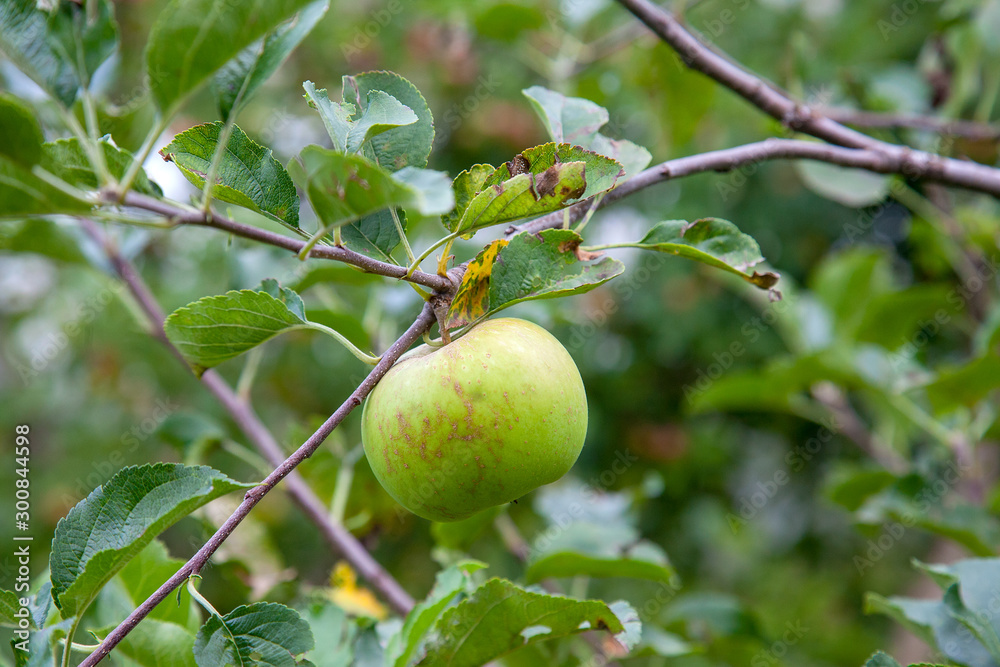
x,y
249,175
67,159
118,519
375,235
20,134
10,606
466,185
530,266
578,121
22,194
256,63
712,241
449,583
472,299
344,188
215,329
404,146
589,549
166,636
500,617
382,113
263,634
193,39
43,42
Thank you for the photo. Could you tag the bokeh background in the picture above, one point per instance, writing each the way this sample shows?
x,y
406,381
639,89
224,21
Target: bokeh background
x,y
721,421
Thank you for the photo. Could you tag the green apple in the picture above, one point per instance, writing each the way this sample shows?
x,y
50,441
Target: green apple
x,y
496,413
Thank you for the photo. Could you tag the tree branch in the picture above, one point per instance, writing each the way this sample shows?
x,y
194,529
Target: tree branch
x,y
727,159
186,216
967,129
794,115
248,421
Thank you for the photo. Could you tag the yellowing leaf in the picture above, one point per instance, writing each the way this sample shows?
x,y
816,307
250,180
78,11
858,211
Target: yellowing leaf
x,y
472,300
354,599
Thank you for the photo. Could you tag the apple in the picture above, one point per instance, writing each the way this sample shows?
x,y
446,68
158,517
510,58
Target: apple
x,y
479,422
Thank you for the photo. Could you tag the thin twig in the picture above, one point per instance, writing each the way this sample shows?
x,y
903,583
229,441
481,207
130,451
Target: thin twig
x,y
729,159
186,216
967,129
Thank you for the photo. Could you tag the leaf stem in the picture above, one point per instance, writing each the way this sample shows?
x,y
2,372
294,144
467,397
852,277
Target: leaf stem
x,y
336,335
249,373
342,489
594,205
147,146
426,253
68,648
402,235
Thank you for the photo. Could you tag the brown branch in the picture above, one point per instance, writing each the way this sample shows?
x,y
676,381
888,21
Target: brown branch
x,y
914,164
248,421
911,163
967,129
192,217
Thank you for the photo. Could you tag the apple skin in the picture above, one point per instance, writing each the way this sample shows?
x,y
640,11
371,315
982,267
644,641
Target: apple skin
x,y
454,430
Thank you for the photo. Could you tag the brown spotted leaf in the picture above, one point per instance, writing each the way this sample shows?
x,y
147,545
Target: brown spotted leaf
x,y
500,617
712,241
530,266
472,301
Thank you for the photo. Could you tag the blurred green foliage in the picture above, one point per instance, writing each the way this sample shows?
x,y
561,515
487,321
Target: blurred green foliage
x,y
787,456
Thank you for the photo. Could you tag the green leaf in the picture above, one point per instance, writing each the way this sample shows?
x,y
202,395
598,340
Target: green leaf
x,y
531,266
218,328
585,548
10,607
880,659
255,64
577,120
248,174
712,241
118,519
44,43
336,117
192,39
22,193
67,159
466,185
601,172
432,189
334,633
855,188
572,120
501,617
964,385
449,583
43,237
164,638
20,134
381,113
262,634
405,146
523,196
374,235
345,188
